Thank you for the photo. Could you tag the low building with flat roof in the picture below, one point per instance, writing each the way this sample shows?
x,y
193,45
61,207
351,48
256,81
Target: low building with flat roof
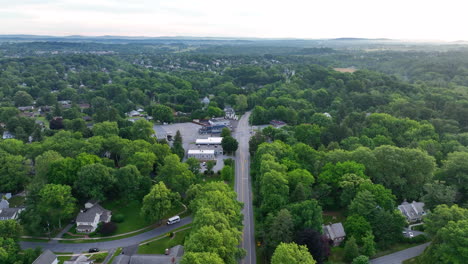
x,y
209,141
201,154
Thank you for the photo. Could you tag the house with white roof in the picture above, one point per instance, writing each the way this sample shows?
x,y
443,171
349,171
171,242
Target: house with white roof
x,y
202,154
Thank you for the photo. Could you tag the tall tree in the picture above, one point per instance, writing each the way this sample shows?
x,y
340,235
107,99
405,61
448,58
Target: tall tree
x,y
177,147
351,250
358,227
106,129
94,182
130,184
280,230
176,174
44,161
307,214
13,172
158,202
316,243
56,203
229,144
201,258
292,253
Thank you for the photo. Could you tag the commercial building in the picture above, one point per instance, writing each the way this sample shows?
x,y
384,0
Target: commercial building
x,y
202,154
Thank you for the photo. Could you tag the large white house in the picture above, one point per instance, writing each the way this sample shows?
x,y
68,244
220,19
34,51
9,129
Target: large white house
x,y
412,211
88,219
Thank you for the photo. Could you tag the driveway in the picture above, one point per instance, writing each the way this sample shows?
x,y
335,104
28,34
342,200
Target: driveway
x,y
400,256
124,242
243,187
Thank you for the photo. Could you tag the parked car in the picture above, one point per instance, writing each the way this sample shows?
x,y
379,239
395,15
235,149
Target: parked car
x,y
411,234
92,250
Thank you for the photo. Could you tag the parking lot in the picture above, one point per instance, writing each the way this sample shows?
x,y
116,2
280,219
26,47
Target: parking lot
x,y
189,132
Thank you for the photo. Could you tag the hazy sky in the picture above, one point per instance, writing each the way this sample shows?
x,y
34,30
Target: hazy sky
x,y
402,19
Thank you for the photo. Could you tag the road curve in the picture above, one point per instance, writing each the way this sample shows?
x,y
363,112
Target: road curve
x,y
124,242
243,187
400,256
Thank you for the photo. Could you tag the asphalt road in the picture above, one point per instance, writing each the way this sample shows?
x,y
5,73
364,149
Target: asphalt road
x,y
124,242
400,256
243,187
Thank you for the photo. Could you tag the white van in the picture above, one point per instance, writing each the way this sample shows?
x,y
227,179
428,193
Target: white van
x,y
173,220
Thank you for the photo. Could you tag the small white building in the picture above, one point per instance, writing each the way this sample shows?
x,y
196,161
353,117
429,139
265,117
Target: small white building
x,y
209,141
201,154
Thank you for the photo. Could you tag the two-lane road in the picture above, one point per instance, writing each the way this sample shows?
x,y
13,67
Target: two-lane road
x,y
124,242
243,187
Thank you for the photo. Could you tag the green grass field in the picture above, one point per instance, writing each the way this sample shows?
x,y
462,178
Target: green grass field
x,y
159,246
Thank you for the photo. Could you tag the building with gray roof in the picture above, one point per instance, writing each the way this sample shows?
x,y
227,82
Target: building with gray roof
x,y
335,232
47,257
412,211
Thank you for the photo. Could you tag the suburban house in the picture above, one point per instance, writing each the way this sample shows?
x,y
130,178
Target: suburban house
x,y
7,213
201,154
412,211
335,232
81,259
7,135
47,257
205,100
88,219
172,256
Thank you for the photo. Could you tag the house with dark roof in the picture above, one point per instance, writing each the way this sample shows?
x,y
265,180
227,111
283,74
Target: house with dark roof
x,y
7,213
412,211
335,232
47,257
88,219
173,256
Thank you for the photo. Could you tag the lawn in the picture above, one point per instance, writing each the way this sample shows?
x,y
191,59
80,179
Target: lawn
x,y
414,260
333,217
99,258
336,255
131,210
61,259
16,201
159,246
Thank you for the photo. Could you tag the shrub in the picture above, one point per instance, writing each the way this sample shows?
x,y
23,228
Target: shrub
x,y
118,218
108,228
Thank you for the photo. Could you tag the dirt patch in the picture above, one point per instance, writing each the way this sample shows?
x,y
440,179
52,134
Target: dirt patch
x,y
350,70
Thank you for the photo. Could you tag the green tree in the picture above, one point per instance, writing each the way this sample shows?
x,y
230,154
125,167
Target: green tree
x,y
94,182
130,184
158,202
193,165
368,245
455,172
363,204
292,253
177,147
201,258
442,215
10,229
106,129
224,243
56,203
307,214
161,112
274,192
450,244
176,174
361,260
387,227
13,172
142,129
225,132
144,161
308,134
22,98
438,193
227,173
351,250
358,227
280,230
44,162
229,144
300,176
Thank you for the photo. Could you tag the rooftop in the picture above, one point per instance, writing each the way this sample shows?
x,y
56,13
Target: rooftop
x,y
201,151
210,140
47,257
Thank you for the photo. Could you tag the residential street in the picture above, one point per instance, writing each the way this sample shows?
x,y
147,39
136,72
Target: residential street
x,y
124,242
243,187
400,256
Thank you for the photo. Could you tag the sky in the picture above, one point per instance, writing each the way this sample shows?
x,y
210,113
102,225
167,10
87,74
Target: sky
x,y
396,19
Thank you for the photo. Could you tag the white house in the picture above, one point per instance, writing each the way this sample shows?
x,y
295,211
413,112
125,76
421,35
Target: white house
x,y
202,154
205,100
47,257
89,218
7,135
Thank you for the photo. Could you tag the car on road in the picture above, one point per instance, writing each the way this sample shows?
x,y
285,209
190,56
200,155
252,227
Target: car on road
x,y
92,250
173,220
410,234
